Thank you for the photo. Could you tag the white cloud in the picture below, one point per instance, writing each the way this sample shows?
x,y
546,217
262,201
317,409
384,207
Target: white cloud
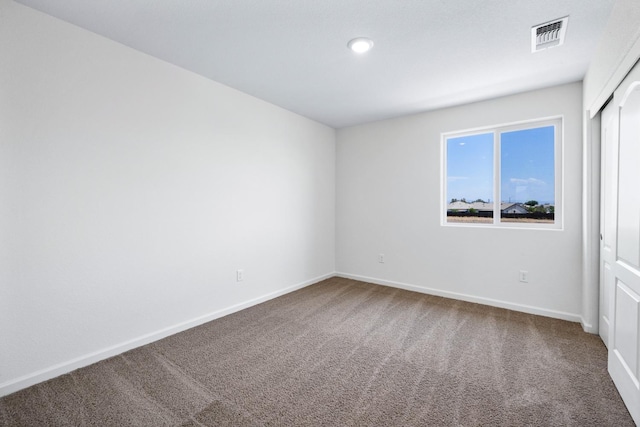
x,y
529,181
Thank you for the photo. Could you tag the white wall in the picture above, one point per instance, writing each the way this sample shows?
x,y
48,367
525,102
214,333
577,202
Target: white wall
x,y
388,201
131,191
616,53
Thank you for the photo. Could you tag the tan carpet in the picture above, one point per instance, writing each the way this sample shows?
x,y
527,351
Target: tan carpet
x,y
343,353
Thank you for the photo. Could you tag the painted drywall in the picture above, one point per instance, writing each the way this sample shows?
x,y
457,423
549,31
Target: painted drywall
x,y
590,223
388,201
616,53
132,191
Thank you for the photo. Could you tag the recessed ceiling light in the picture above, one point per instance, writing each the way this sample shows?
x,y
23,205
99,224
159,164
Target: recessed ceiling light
x,y
360,44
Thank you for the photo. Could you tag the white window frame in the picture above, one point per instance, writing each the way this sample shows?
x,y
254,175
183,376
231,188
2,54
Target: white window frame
x,y
558,123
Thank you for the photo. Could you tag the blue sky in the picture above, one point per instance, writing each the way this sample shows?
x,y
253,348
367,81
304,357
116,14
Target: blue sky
x,y
527,161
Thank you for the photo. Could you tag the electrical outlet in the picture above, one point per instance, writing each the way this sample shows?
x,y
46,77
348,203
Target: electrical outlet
x,y
239,275
381,258
524,276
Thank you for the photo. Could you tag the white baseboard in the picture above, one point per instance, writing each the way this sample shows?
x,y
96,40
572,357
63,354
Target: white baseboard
x,y
25,381
28,380
588,327
469,298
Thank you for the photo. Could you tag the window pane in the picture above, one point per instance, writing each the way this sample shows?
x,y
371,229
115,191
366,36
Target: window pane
x,y
470,178
527,171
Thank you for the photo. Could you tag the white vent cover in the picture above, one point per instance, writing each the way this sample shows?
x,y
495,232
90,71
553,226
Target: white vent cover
x,y
549,34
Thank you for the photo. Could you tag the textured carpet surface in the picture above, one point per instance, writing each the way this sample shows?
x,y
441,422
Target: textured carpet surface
x,y
343,353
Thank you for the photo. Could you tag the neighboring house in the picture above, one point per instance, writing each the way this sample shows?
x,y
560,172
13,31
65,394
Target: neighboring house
x,y
482,206
513,208
459,206
510,208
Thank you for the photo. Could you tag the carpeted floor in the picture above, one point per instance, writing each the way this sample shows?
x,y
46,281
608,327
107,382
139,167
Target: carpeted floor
x,y
343,353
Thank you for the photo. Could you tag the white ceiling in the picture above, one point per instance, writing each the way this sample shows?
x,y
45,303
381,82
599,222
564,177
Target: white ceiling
x,y
428,54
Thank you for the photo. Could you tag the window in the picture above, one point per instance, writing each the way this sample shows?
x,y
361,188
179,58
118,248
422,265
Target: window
x,y
505,176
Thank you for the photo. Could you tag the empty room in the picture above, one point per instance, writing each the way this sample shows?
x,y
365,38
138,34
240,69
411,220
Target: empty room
x,y
338,213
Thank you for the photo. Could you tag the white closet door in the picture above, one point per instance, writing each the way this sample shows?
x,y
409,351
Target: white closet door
x,y
608,203
620,258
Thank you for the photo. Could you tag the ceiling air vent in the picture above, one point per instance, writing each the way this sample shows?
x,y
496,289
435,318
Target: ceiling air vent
x,y
549,34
